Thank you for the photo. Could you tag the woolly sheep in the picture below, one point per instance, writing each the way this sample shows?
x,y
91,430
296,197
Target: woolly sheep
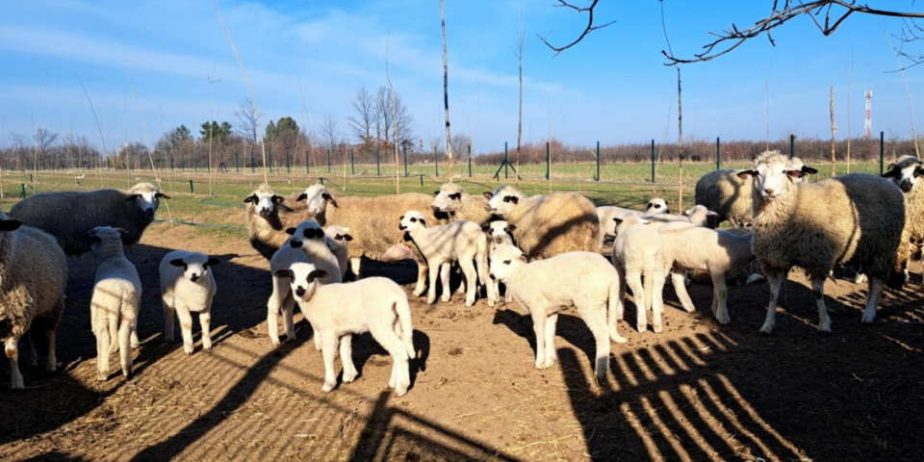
x,y
33,276
116,301
268,215
459,241
906,173
854,218
729,195
337,311
584,280
607,214
70,215
338,240
187,286
451,203
307,245
698,215
547,225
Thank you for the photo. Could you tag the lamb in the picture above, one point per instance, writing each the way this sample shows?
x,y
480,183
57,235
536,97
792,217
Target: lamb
x,y
338,240
33,276
337,311
698,215
131,210
906,173
499,233
116,301
268,215
637,252
461,241
451,203
607,213
855,218
729,195
582,279
187,286
547,225
307,245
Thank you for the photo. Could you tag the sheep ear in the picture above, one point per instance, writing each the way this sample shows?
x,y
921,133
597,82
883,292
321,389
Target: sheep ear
x,y
132,197
918,171
251,198
316,274
330,199
809,170
511,228
486,227
746,173
301,197
277,199
488,195
347,237
212,261
794,173
436,193
290,231
178,262
161,195
9,225
284,273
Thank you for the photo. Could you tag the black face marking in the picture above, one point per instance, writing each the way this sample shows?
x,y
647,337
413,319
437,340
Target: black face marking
x,y
284,273
512,199
456,196
313,233
277,199
507,262
212,261
178,262
330,199
10,225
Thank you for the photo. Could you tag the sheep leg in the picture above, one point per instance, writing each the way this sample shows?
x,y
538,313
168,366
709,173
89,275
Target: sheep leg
x,y
539,319
595,319
205,319
33,355
11,348
273,306
102,353
288,311
422,272
654,288
471,280
433,273
775,280
400,375
52,363
346,359
720,298
551,354
169,322
680,288
445,271
186,329
329,353
634,281
125,351
875,291
356,266
824,321
134,342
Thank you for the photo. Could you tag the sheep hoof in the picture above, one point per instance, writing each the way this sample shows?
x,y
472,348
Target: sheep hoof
x,y
657,328
618,338
349,378
17,384
766,330
188,350
327,387
401,391
100,376
723,320
868,318
824,328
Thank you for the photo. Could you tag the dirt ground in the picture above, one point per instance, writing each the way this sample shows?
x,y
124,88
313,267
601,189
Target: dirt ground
x,y
698,391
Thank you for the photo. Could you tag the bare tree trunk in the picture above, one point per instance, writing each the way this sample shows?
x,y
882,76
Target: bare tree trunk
x,y
833,131
449,153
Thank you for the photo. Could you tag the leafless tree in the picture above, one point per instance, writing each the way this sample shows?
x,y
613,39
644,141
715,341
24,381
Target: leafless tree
x,y
827,15
329,131
392,120
248,125
364,114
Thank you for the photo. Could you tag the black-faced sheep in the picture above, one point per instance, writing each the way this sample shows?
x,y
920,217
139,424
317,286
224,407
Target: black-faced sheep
x,y
268,215
451,203
187,287
906,173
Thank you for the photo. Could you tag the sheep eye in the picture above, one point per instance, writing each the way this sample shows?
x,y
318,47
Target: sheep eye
x,y
413,220
506,262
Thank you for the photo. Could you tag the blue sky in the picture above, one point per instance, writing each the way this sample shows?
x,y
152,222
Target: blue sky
x,y
150,66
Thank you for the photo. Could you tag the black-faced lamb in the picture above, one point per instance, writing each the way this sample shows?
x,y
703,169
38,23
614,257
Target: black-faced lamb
x,y
116,301
187,287
33,276
584,280
337,311
70,215
855,218
451,203
607,214
268,215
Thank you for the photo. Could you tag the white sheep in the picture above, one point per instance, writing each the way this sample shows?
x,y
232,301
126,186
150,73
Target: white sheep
x,y
338,240
33,276
584,280
187,286
459,241
116,301
906,173
307,244
854,218
451,203
729,195
637,252
547,225
268,215
499,233
337,311
131,210
607,214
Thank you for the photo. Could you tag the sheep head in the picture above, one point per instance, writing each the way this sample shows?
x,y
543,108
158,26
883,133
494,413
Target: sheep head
x,y
264,201
317,197
412,220
147,197
505,260
499,231
656,205
905,172
448,199
775,175
195,266
503,200
304,279
306,230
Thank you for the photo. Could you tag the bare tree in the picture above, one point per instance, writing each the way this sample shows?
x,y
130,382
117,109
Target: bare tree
x,y
392,119
329,131
827,15
248,125
364,114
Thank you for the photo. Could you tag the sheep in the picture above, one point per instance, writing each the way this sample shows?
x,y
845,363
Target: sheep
x,y
499,233
544,287
338,240
131,210
307,244
906,173
371,221
637,252
607,213
33,276
698,215
187,286
461,241
729,195
116,301
855,218
547,225
337,311
451,203
268,215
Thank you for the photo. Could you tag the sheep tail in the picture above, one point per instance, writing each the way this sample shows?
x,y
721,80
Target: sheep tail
x,y
403,310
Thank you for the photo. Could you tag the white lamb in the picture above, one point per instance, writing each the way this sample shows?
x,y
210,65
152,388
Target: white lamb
x,y
637,252
608,213
187,286
306,244
337,311
499,233
584,280
459,241
116,300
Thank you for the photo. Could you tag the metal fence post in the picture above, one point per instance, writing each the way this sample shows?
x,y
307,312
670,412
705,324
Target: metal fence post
x,y
405,160
505,160
378,162
436,161
469,161
548,161
597,176
192,189
718,153
652,161
328,159
22,193
792,145
881,152
352,164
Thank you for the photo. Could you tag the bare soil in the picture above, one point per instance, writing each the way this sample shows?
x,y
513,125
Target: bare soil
x,y
698,391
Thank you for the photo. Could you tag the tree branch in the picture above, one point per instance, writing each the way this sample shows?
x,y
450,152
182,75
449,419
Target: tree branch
x,y
590,27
